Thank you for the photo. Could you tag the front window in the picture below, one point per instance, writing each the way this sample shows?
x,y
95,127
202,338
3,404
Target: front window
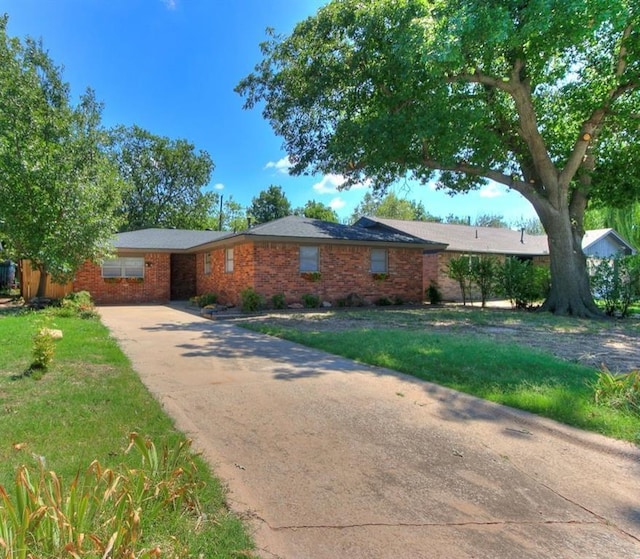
x,y
378,261
309,259
129,267
228,260
207,263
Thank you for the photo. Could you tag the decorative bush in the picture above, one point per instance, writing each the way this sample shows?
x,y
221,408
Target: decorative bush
x,y
523,283
278,301
384,302
250,301
205,299
434,294
76,304
310,301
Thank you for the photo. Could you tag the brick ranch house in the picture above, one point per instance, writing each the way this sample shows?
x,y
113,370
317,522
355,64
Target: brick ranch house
x,y
491,241
292,256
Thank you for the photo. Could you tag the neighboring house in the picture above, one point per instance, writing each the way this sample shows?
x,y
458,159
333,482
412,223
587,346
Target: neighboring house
x,y
462,240
292,256
605,243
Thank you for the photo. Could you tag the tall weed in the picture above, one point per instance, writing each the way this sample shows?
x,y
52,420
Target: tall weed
x,y
102,512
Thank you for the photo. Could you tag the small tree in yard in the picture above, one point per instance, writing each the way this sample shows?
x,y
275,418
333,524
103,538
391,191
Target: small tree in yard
x,y
616,282
460,271
541,97
58,191
484,273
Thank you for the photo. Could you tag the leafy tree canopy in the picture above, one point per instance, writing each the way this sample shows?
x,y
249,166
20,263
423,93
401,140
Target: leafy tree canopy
x,y
533,95
58,190
270,204
317,210
233,216
390,206
165,178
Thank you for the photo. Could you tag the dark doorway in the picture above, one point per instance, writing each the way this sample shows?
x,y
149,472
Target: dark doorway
x,y
183,276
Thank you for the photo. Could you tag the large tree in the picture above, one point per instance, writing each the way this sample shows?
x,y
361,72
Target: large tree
x,y
270,204
58,191
529,94
165,179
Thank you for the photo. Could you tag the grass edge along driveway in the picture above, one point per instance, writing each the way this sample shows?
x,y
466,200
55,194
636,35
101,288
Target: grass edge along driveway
x,y
508,374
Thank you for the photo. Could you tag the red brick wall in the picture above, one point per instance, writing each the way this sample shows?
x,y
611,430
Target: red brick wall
x,y
155,288
273,268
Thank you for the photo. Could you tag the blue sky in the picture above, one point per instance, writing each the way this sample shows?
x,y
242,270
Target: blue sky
x,y
170,66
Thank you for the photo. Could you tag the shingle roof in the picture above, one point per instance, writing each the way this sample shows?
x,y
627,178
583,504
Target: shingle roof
x,y
465,238
314,229
165,239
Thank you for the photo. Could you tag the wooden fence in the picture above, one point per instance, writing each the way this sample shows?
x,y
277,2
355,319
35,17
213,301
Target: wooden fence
x,y
30,278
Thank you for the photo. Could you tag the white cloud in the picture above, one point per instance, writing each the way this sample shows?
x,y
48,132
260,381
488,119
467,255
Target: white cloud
x,y
218,186
170,4
282,166
337,203
491,191
331,183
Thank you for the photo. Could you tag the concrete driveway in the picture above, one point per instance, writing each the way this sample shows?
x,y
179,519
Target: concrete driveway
x,y
328,458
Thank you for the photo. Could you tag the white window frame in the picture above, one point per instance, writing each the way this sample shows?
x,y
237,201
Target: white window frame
x,y
123,267
228,260
379,261
207,263
309,259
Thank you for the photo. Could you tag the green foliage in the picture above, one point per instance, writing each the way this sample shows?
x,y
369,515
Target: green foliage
x,y
250,301
618,391
164,180
59,191
317,210
434,295
459,269
270,204
483,272
102,512
278,301
616,283
43,352
384,302
390,207
205,299
233,216
523,283
310,301
77,304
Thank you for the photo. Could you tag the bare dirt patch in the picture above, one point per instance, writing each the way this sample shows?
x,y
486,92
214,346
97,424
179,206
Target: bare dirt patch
x,y
614,344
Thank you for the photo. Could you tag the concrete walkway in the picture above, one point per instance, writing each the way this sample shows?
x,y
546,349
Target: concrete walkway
x,y
331,459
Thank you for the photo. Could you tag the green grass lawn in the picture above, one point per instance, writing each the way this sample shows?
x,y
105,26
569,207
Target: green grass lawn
x,y
83,409
501,372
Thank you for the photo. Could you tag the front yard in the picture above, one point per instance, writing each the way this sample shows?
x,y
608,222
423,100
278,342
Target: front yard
x,y
83,409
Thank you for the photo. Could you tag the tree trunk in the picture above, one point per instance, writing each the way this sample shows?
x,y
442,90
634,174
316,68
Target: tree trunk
x,y
570,290
42,282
